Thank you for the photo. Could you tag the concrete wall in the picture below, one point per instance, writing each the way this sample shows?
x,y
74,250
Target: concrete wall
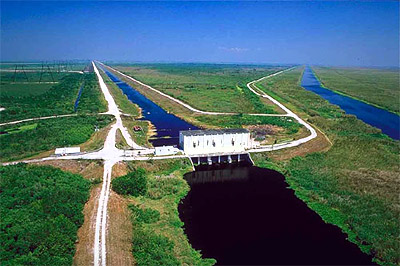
x,y
221,143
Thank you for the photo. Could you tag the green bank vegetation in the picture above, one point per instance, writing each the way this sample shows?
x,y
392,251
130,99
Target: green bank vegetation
x,y
30,138
380,87
355,184
206,86
155,189
288,129
59,99
41,211
235,121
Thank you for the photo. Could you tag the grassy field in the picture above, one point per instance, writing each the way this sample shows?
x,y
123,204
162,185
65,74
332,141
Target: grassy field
x,y
41,211
354,184
24,89
287,129
206,86
31,138
92,99
380,87
158,237
58,99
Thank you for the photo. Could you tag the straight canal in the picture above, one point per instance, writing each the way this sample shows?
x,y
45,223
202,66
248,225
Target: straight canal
x,y
388,122
242,214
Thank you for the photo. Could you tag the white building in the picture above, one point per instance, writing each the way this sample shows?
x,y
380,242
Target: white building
x,y
67,150
165,150
198,142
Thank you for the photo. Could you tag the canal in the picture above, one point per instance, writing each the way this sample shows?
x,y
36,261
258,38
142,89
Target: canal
x,y
388,122
242,214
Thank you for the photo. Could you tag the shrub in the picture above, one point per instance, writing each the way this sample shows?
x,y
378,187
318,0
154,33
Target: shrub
x,y
146,215
151,249
41,211
134,183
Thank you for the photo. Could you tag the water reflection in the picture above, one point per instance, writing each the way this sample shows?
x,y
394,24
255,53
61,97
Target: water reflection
x,y
247,215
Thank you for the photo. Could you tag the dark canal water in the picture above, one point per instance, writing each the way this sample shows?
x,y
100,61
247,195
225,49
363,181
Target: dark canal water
x,y
78,98
245,215
388,122
166,124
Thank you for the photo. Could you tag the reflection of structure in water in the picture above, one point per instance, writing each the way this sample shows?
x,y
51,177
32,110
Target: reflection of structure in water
x,y
229,174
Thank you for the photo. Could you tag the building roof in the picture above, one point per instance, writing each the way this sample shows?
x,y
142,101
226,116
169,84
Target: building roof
x,y
213,132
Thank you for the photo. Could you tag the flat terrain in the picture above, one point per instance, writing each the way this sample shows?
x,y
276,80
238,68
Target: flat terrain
x,y
353,184
30,138
158,237
33,137
206,86
41,211
380,87
19,103
284,128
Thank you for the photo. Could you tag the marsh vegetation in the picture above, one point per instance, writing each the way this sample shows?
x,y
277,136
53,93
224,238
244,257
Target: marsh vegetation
x,y
206,86
355,183
41,211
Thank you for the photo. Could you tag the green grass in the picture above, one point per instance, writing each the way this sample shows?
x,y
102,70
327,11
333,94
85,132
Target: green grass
x,y
24,89
158,237
19,129
379,87
237,121
59,99
44,135
31,77
41,211
354,185
206,86
140,137
92,99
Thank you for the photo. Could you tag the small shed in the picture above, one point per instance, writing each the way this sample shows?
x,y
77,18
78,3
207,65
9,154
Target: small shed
x,y
166,150
67,150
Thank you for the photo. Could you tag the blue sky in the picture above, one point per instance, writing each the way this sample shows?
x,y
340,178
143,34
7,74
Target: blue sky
x,y
327,33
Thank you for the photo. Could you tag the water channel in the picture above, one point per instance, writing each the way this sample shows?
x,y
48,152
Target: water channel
x,y
242,214
388,122
166,124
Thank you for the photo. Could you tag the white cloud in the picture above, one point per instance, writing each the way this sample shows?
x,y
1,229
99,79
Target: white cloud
x,y
233,49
